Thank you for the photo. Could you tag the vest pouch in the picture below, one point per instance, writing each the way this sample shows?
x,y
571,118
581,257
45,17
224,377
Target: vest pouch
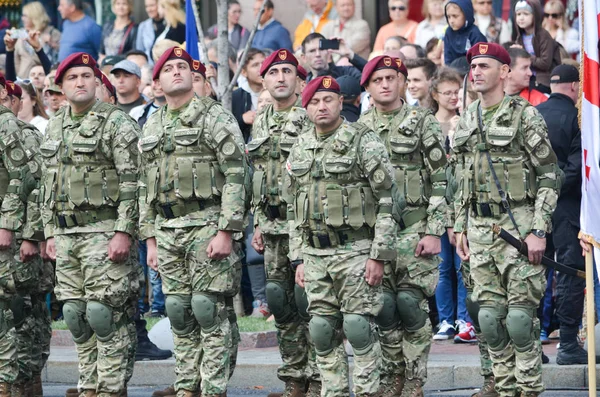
x,y
111,190
152,184
426,186
49,148
94,189
184,181
516,182
203,181
369,207
48,186
301,207
149,148
467,181
77,187
413,187
334,210
355,208
460,180
186,137
286,142
461,136
298,169
400,181
85,145
256,147
402,145
501,136
530,181
339,165
218,179
258,188
494,193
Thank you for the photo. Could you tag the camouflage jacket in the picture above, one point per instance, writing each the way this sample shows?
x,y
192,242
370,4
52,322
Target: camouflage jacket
x,y
273,135
193,161
341,183
516,137
413,139
90,167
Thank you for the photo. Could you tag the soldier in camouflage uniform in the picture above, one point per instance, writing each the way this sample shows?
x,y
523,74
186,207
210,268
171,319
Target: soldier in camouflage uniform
x,y
90,216
274,132
413,140
341,234
192,199
507,286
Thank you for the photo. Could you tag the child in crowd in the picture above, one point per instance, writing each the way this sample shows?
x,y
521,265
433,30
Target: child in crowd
x,y
495,29
462,33
536,40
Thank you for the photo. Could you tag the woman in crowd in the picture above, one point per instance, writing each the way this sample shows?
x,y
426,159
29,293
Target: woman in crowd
x,y
32,108
434,23
434,51
35,18
238,35
400,25
119,36
174,18
555,22
393,43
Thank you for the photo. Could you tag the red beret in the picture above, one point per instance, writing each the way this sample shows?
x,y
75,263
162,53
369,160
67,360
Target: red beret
x,y
198,67
98,73
13,89
323,83
379,63
171,53
301,72
106,82
276,58
74,60
488,50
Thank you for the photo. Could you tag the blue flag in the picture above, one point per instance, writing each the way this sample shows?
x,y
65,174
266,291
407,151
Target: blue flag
x,y
191,32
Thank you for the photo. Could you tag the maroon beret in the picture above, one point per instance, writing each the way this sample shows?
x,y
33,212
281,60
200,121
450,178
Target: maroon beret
x,y
379,63
488,50
13,89
276,58
106,82
74,60
2,80
171,53
301,72
198,67
98,73
323,83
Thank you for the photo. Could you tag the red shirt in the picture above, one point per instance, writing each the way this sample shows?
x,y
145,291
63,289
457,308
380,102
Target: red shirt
x,y
534,96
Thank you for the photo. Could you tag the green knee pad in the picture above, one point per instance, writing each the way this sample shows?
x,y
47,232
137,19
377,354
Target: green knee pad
x,y
409,308
519,323
490,320
74,314
204,307
278,302
179,311
301,302
100,318
17,306
357,329
388,317
323,331
473,310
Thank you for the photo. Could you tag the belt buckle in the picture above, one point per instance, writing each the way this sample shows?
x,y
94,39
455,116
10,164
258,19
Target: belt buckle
x,y
62,222
167,211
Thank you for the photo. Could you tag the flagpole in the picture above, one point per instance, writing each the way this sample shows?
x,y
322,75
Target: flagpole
x,y
591,320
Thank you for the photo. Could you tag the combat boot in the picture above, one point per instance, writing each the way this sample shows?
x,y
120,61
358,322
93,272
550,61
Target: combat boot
x,y
168,392
292,389
72,392
38,391
413,388
570,353
393,389
314,389
488,389
5,390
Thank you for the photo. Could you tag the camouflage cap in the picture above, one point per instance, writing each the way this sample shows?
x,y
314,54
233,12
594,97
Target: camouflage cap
x,y
52,87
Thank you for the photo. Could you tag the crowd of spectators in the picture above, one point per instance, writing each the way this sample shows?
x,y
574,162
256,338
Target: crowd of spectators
x,y
538,37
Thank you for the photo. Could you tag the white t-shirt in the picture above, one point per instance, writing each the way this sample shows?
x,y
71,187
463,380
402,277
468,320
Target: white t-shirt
x,y
40,123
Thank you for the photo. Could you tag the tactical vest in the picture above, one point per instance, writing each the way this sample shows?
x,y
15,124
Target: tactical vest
x,y
80,179
182,171
333,193
269,155
504,142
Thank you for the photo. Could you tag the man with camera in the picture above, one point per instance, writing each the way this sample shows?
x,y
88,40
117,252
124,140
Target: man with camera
x,y
316,53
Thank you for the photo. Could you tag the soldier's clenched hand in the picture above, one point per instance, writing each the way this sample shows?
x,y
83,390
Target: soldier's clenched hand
x,y
220,246
43,252
119,246
152,255
428,246
51,248
300,275
6,238
28,250
535,248
257,241
462,246
374,272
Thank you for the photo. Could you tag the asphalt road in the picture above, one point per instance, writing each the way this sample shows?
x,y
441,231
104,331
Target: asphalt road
x,y
58,390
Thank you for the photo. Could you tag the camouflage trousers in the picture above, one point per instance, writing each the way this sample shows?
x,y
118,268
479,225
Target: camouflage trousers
x,y
484,354
504,280
9,367
336,286
84,273
405,352
187,272
295,345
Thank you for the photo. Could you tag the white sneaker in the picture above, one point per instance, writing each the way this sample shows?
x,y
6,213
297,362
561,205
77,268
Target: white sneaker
x,y
446,331
461,326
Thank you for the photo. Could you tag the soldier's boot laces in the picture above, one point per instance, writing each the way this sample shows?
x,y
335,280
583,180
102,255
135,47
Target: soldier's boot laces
x,y
314,389
168,392
292,389
393,389
5,390
488,389
38,391
413,388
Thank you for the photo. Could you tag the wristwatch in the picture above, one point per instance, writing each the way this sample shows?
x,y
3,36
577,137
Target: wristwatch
x,y
538,233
